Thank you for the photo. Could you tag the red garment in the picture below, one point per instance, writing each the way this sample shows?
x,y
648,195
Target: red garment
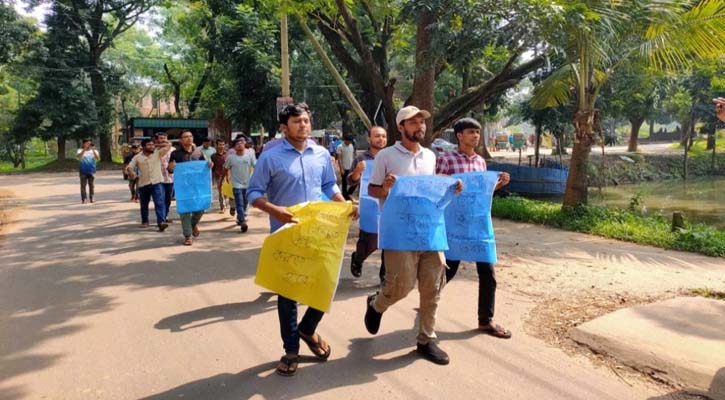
x,y
455,162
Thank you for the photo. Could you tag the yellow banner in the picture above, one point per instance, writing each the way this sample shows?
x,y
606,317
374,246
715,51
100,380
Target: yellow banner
x,y
302,261
227,189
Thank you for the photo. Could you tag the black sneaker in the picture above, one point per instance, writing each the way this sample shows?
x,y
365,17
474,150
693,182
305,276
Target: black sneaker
x,y
433,353
244,227
232,211
163,226
355,268
372,317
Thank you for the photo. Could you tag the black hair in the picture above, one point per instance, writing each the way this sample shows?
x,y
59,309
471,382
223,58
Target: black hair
x,y
206,139
157,134
220,141
183,132
239,139
465,123
293,110
145,142
87,140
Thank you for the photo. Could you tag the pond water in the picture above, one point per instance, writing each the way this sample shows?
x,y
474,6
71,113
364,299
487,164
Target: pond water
x,y
701,200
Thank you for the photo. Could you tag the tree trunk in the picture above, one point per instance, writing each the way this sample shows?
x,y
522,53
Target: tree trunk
x,y
177,90
196,98
61,148
651,129
424,81
634,133
103,114
576,184
482,149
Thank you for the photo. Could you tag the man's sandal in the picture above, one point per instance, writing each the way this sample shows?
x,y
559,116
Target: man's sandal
x,y
287,366
316,347
496,330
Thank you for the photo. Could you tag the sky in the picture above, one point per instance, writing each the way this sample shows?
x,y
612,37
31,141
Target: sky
x,y
38,13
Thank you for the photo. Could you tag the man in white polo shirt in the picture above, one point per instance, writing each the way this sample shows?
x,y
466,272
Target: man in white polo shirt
x,y
403,268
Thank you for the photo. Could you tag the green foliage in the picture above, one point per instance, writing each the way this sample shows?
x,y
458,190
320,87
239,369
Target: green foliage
x,y
616,224
708,293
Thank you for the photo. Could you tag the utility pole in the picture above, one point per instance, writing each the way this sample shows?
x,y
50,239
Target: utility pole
x,y
335,75
285,56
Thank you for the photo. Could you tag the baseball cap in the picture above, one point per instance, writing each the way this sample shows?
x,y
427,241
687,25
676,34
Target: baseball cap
x,y
410,112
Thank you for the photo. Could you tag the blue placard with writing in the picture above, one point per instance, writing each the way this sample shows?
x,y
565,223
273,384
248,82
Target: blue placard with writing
x,y
369,206
192,184
412,217
468,219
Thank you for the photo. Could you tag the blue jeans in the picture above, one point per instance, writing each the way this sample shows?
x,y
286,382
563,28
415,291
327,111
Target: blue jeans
x,y
287,310
240,203
145,193
168,195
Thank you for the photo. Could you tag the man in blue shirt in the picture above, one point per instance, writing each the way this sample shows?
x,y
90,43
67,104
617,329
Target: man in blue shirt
x,y
291,173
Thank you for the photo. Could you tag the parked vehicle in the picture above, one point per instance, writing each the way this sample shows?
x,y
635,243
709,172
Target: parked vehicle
x,y
443,146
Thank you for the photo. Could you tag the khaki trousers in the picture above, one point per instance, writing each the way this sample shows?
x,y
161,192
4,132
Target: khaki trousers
x,y
402,270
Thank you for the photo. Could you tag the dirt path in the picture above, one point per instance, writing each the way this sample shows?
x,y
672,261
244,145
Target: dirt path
x,y
93,307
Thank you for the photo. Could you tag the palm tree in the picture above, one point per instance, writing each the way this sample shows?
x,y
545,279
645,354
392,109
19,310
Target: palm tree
x,y
597,36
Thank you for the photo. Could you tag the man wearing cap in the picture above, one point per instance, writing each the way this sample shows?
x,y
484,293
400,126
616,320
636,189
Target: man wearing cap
x,y
404,268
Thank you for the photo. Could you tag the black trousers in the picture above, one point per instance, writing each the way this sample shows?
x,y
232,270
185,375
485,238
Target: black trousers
x,y
345,188
87,179
486,288
367,243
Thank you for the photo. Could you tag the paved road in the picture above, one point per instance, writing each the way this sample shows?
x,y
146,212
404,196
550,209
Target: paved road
x,y
92,307
645,148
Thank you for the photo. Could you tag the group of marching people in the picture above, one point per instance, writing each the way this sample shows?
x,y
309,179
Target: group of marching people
x,y
297,171
149,169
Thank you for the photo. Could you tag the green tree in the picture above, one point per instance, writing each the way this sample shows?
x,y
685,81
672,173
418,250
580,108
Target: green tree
x,y
598,36
632,94
96,24
63,106
19,41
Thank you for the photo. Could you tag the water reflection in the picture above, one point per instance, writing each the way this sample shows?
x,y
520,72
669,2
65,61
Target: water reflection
x,y
701,200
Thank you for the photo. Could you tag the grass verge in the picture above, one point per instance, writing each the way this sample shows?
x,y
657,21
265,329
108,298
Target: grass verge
x,y
709,293
615,224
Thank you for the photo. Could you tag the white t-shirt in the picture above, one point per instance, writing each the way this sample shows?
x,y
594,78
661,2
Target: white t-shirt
x,y
347,155
399,161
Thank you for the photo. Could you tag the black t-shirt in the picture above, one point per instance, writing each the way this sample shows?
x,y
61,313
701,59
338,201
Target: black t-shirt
x,y
180,155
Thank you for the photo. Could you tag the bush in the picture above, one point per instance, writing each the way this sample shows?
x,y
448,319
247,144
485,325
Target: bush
x,y
616,224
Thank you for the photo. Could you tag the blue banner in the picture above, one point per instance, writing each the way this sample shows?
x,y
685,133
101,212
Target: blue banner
x,y
192,184
369,206
412,218
468,219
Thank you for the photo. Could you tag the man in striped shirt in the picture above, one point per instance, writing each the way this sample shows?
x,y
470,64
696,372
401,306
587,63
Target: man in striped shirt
x,y
465,159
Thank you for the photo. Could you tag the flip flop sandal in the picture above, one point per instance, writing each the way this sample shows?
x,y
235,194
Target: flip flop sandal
x,y
497,331
288,362
316,347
